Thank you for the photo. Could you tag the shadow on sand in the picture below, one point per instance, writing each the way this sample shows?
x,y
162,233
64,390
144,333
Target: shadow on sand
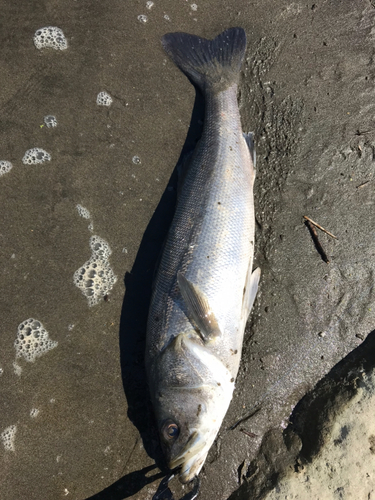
x,y
133,325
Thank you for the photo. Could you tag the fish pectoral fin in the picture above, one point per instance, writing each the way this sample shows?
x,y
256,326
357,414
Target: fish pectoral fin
x,y
250,292
249,138
198,309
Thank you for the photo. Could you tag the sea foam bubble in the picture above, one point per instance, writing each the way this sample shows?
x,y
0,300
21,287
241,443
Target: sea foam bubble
x,y
7,437
50,37
96,278
5,166
35,155
103,99
32,340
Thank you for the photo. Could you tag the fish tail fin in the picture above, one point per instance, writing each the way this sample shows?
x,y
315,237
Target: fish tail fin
x,y
209,64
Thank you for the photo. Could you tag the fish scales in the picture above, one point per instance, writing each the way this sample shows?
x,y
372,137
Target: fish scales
x,y
204,287
212,233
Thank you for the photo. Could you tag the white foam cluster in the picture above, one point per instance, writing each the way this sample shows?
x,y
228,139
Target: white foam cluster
x,y
104,99
17,369
5,166
142,18
32,340
50,37
83,212
7,437
35,155
50,121
34,412
149,4
96,278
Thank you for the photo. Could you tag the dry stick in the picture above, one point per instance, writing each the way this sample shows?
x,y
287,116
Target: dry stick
x,y
320,227
250,434
363,184
359,133
316,241
246,417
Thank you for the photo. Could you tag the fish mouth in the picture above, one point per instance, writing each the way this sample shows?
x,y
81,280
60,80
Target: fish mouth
x,y
190,459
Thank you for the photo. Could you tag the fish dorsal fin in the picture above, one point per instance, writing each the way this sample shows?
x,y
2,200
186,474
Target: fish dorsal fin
x,y
251,289
249,138
198,309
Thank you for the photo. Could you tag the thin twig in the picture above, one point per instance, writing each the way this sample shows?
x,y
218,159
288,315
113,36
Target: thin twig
x,y
364,132
250,434
363,184
246,417
316,241
320,227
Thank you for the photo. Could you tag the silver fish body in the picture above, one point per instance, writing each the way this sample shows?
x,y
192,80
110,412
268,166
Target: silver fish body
x,y
204,287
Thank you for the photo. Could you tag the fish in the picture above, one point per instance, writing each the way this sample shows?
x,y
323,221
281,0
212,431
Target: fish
x,y
204,286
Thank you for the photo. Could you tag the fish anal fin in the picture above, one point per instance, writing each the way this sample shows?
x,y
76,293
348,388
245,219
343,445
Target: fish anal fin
x,y
249,138
250,292
182,169
198,309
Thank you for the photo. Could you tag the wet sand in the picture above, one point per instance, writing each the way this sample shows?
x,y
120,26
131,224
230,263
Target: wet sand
x,y
307,91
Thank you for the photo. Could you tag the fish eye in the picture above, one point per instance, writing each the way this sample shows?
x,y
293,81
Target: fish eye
x,y
170,430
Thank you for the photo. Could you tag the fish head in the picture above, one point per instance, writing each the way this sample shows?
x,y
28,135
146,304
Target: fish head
x,y
190,399
185,435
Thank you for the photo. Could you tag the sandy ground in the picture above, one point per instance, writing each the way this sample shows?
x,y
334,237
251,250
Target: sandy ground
x,y
76,423
344,467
